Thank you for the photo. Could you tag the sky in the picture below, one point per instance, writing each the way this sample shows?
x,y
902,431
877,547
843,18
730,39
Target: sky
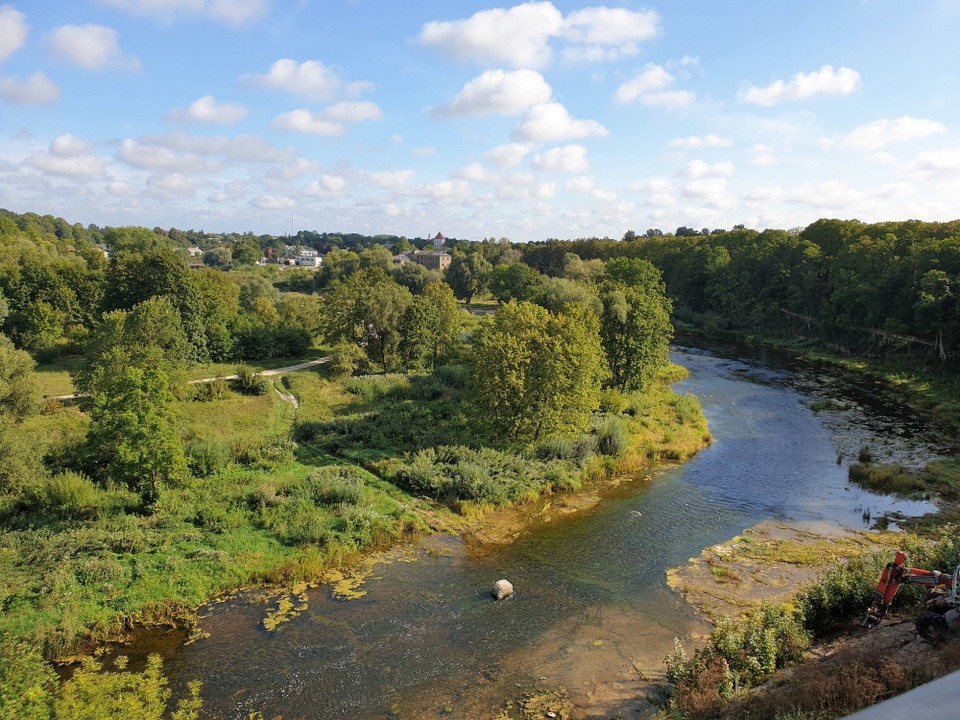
x,y
526,121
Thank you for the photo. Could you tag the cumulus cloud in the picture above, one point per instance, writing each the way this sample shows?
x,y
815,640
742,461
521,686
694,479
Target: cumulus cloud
x,y
13,31
37,89
603,33
697,169
353,111
311,79
509,155
825,81
475,172
68,156
392,180
550,122
500,92
518,36
651,86
711,193
331,121
938,164
582,184
209,111
566,159
228,12
326,185
173,186
94,47
273,202
243,148
147,155
305,121
695,142
876,135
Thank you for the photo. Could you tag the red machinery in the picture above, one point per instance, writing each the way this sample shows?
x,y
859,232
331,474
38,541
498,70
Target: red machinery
x,y
942,606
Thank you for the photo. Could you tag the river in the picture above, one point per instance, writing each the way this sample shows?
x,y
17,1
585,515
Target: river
x,y
592,612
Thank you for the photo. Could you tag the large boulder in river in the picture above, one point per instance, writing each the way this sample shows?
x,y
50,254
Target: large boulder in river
x,y
501,589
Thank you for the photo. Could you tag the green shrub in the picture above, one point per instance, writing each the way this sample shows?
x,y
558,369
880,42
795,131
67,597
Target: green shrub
x,y
332,485
612,401
27,683
370,389
843,592
249,381
575,449
70,495
210,391
206,456
612,437
265,453
348,359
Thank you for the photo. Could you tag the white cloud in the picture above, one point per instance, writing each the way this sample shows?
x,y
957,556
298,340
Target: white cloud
x,y
711,193
567,159
762,155
651,87
695,142
603,33
311,79
148,155
326,185
475,172
610,26
582,184
938,165
508,155
498,91
70,146
173,186
208,110
545,191
93,47
228,12
273,202
518,36
68,156
37,89
330,121
122,189
243,148
602,195
825,81
425,151
876,135
395,180
550,122
350,111
304,121
697,169
13,31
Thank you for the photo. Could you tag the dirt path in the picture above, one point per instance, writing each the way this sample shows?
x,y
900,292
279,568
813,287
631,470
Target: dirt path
x,y
275,371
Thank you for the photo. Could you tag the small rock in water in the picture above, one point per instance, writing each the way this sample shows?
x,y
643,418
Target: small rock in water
x,y
501,589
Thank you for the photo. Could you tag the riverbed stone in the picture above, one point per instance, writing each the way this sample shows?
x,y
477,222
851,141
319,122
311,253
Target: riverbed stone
x,y
501,589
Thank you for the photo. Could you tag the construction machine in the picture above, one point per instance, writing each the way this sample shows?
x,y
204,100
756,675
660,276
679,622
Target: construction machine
x,y
942,604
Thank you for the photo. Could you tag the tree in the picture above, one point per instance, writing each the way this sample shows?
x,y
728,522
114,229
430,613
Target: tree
x,y
634,323
19,397
517,281
537,373
468,275
431,325
366,309
132,439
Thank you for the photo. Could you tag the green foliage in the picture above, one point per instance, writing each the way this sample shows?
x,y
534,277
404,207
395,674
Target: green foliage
x,y
249,381
485,475
348,359
537,373
27,683
634,323
95,695
211,391
132,440
206,456
575,449
840,594
613,439
70,495
430,326
18,390
468,275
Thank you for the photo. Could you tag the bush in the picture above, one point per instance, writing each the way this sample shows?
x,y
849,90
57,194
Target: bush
x,y
70,495
333,485
348,359
576,449
210,391
842,593
266,453
206,456
249,381
612,437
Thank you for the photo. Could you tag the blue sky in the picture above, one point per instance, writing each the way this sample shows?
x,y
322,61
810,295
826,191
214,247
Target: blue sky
x,y
526,121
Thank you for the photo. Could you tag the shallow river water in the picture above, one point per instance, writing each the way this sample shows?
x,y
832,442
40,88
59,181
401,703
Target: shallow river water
x,y
592,612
